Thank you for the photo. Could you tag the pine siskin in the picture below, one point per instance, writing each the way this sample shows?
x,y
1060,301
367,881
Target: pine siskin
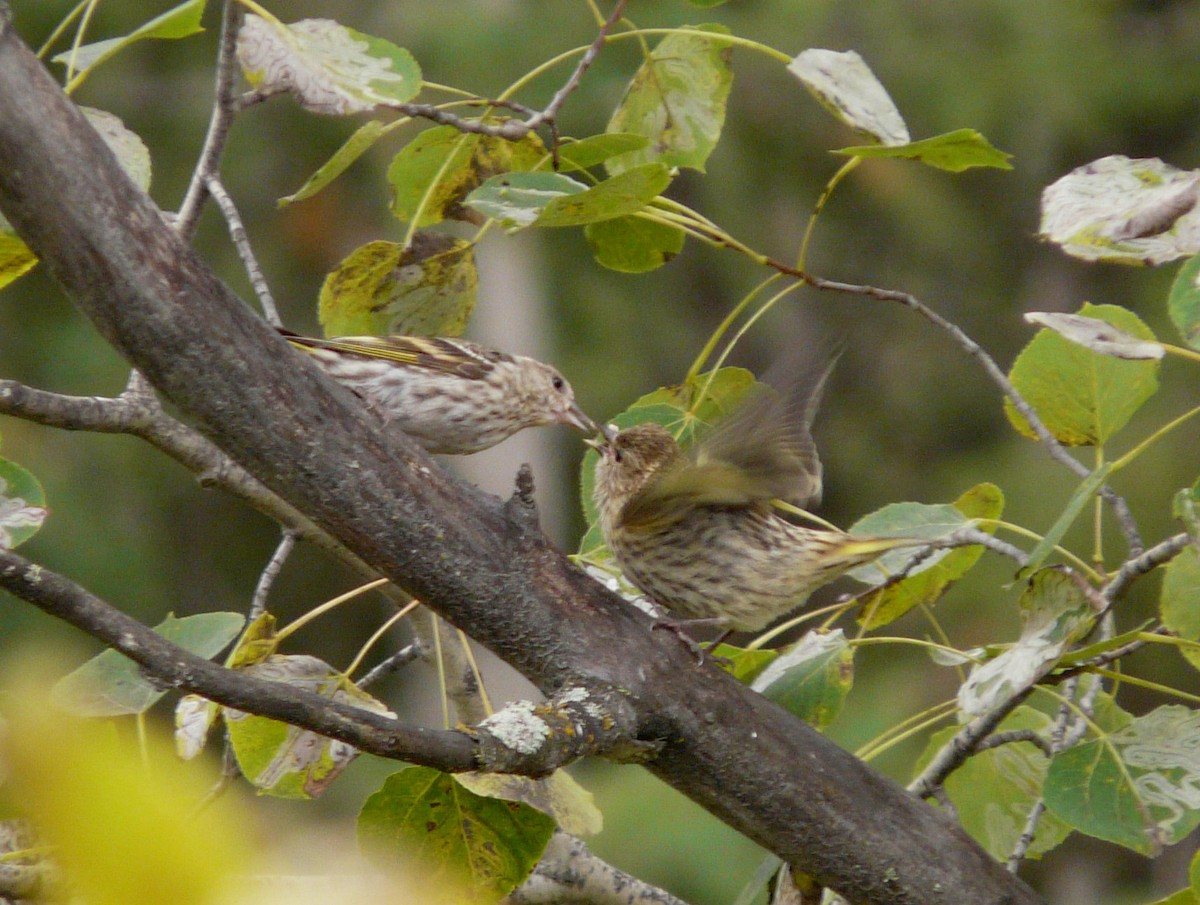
x,y
696,531
449,395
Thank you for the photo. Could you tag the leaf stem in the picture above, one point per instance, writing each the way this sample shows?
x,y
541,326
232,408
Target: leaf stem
x,y
846,169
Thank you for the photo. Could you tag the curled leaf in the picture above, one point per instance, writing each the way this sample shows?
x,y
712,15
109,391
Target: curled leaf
x,y
1124,211
847,88
1097,335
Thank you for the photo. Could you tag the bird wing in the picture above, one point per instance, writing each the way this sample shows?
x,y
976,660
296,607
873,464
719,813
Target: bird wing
x,y
456,357
767,439
683,487
762,450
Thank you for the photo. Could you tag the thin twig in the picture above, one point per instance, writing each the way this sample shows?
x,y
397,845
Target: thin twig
x,y
1016,735
1147,561
226,105
396,661
955,752
1028,834
237,232
258,603
569,874
1119,506
509,129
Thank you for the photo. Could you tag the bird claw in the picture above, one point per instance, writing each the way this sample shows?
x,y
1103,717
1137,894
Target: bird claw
x,y
701,654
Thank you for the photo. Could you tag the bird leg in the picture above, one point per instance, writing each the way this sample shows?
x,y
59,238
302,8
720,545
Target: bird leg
x,y
678,628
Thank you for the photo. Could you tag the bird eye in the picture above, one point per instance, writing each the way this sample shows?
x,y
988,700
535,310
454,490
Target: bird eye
x,y
558,383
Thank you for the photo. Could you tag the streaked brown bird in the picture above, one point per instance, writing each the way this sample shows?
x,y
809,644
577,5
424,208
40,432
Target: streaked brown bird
x,y
450,395
696,530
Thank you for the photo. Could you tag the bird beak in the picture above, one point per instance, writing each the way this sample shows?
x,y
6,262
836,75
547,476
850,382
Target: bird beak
x,y
576,417
608,433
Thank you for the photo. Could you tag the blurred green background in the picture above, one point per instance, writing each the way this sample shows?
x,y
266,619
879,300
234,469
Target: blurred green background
x,y
907,416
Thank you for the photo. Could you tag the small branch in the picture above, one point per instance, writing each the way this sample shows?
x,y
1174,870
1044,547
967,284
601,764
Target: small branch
x,y
395,662
137,412
1146,562
237,232
571,875
550,114
173,667
1028,834
224,109
1016,735
1057,452
124,414
965,743
510,129
523,738
1102,659
258,603
965,537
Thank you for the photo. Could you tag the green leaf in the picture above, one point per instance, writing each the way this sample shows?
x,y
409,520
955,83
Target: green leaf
x,y
1136,786
1182,897
677,100
935,575
469,848
1183,303
16,259
22,505
994,790
519,199
1083,493
329,68
954,151
258,642
1124,211
194,718
286,761
110,684
811,678
587,152
179,22
558,796
1054,615
552,199
1185,506
381,289
130,151
846,87
682,409
355,146
633,244
744,665
1083,654
1082,397
1179,600
433,173
623,194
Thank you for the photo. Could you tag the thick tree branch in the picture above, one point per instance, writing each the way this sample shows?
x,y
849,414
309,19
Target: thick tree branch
x,y
455,548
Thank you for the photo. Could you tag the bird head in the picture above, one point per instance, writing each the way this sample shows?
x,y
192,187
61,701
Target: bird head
x,y
549,398
630,459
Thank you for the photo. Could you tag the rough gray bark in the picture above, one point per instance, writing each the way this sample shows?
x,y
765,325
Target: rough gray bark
x,y
483,566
